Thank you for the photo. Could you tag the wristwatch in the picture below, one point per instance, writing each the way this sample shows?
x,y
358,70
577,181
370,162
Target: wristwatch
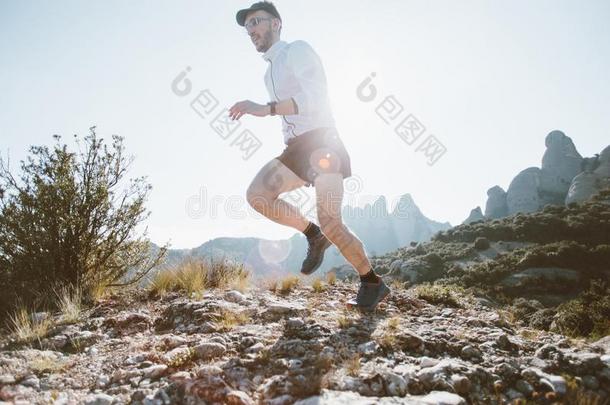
x,y
272,105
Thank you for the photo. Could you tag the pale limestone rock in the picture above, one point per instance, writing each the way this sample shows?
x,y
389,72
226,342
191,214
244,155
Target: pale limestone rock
x,y
522,194
594,178
496,203
475,215
560,164
582,188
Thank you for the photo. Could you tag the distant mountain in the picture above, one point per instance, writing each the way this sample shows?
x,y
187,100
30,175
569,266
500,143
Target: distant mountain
x,y
380,231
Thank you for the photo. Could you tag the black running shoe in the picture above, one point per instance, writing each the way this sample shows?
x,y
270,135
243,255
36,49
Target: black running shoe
x,y
370,295
315,253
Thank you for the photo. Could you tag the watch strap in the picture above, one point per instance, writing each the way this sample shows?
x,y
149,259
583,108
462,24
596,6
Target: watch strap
x,y
272,105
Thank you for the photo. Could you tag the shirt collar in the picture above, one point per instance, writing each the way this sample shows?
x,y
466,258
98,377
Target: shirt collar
x,y
274,49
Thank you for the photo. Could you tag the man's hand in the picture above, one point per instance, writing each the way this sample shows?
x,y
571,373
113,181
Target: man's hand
x,y
248,107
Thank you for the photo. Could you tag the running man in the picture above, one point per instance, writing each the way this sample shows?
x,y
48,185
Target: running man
x,y
314,153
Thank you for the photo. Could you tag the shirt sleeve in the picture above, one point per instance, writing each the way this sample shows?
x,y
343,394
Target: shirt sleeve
x,y
309,73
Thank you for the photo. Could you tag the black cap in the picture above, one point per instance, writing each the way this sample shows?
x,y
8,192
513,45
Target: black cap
x,y
261,5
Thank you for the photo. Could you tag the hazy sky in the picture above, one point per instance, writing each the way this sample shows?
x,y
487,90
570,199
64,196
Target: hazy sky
x,y
489,79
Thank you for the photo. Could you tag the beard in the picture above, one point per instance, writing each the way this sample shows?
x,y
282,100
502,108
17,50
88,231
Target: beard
x,y
265,42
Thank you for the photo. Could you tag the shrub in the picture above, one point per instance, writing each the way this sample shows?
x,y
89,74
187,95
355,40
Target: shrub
x,y
65,222
440,294
586,315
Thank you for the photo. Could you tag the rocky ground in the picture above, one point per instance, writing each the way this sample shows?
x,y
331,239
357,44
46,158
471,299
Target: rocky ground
x,y
301,347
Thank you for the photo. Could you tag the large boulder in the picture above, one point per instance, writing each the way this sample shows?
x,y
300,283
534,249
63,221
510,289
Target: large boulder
x,y
596,176
496,203
475,215
522,194
561,162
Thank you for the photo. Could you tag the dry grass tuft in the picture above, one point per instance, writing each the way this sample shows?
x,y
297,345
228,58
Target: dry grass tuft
x,y
352,365
47,364
345,320
194,275
388,340
25,329
437,294
162,283
69,302
227,320
331,278
318,286
393,323
272,285
288,284
399,285
99,292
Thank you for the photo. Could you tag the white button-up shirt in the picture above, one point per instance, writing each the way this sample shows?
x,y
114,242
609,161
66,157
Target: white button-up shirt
x,y
295,71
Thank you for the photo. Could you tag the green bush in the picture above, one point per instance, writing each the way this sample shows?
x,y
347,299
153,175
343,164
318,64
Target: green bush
x,y
586,223
66,222
588,315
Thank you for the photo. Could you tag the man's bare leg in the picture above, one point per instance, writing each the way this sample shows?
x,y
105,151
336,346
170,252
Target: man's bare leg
x,y
263,193
329,197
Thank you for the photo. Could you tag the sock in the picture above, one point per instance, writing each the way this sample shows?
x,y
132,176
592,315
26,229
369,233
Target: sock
x,y
370,277
311,230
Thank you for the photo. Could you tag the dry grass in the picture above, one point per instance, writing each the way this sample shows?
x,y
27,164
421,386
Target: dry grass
x,y
507,316
451,296
46,364
99,292
190,279
162,283
25,329
331,278
344,320
352,365
388,337
288,284
324,362
399,285
318,286
530,334
272,285
227,320
69,302
388,340
194,275
393,323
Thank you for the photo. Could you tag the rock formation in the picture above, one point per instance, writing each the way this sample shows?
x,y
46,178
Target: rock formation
x,y
496,207
594,177
564,177
475,215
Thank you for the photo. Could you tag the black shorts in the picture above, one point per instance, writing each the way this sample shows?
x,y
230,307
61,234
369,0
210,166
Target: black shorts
x,y
316,152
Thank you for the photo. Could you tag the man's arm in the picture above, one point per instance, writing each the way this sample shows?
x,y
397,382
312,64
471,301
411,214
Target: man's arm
x,y
286,107
283,107
308,71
